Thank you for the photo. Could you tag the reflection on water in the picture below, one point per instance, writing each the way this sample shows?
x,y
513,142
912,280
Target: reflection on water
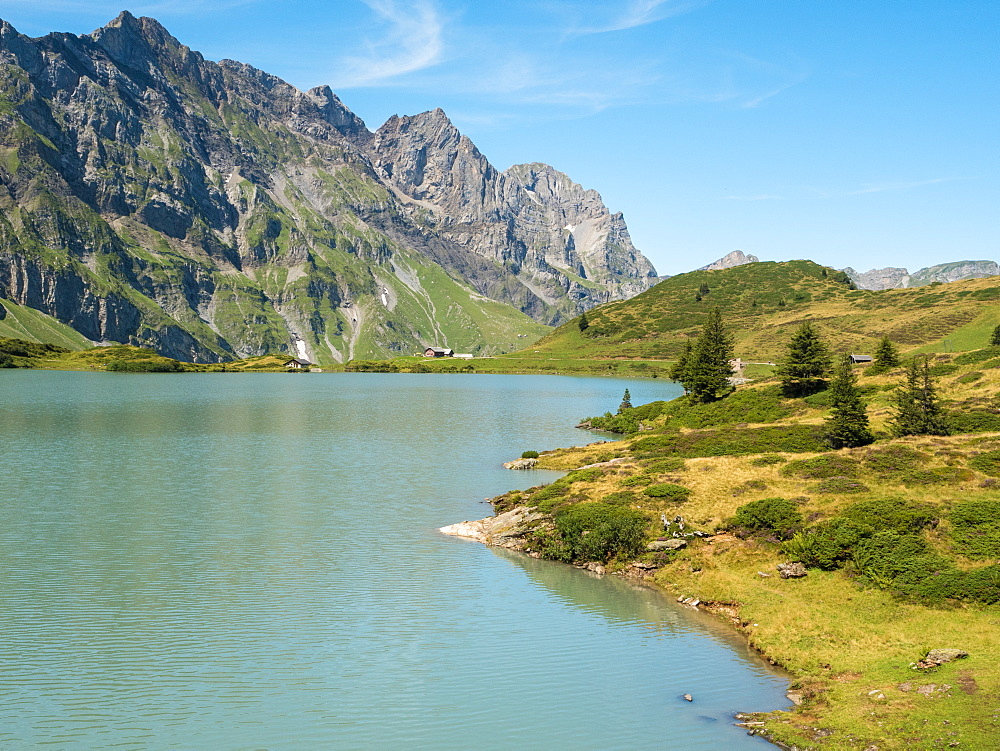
x,y
251,561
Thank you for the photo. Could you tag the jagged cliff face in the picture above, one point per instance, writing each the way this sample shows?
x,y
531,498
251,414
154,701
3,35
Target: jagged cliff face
x,y
210,210
731,260
900,278
559,239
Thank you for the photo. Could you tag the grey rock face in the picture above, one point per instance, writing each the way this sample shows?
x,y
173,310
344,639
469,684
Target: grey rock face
x,y
150,196
731,260
791,570
558,238
900,278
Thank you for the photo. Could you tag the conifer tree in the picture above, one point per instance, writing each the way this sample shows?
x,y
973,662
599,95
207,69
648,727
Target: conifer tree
x,y
805,367
847,425
708,367
584,323
678,371
886,354
995,338
626,402
917,411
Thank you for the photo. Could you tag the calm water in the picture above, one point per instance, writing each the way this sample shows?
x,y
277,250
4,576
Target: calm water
x,y
252,561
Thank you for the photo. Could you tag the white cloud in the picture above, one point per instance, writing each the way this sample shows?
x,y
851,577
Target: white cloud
x,y
412,42
640,13
899,185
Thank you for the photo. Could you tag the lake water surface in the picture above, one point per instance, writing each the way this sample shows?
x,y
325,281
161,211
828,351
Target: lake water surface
x,y
235,561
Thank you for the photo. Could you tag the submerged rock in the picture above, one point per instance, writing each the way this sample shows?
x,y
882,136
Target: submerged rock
x,y
521,464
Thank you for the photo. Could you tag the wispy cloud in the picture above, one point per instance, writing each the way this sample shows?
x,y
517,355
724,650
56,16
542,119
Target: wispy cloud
x,y
900,185
413,40
639,13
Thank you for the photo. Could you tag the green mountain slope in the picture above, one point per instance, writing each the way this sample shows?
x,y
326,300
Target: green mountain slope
x,y
764,302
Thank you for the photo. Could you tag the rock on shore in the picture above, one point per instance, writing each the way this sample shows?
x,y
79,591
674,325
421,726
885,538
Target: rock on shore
x,y
506,530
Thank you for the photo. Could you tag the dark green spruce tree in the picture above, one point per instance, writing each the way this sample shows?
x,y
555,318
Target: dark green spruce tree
x,y
678,371
626,402
995,337
886,354
708,366
916,410
847,425
583,322
804,369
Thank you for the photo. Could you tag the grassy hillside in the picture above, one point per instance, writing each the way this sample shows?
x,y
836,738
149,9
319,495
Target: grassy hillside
x,y
19,322
763,303
901,540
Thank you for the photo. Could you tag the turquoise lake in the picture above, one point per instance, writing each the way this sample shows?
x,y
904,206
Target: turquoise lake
x,y
237,561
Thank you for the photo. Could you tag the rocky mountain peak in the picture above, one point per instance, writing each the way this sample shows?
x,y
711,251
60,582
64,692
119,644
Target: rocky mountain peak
x,y
335,113
731,260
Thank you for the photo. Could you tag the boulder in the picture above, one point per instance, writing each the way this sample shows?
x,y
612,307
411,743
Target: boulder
x,y
506,530
521,464
941,656
791,570
658,545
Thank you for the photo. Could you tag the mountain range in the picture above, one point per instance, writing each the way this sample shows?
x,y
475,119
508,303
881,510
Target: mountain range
x,y
211,210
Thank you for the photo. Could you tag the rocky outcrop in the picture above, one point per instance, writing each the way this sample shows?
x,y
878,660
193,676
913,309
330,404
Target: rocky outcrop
x,y
731,260
150,196
900,278
506,530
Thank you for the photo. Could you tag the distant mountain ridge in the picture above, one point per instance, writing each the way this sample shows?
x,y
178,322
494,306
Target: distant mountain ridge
x,y
900,278
211,210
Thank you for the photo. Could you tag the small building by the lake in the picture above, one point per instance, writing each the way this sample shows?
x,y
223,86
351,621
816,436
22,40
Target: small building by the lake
x,y
297,364
439,352
857,359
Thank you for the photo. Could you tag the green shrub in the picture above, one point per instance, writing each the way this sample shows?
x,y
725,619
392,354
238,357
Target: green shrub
x,y
829,544
662,466
6,361
823,466
621,498
636,481
987,462
976,356
942,369
901,561
841,486
972,377
974,421
938,476
748,486
143,366
529,455
583,475
898,515
894,459
778,515
668,490
976,528
732,441
767,460
600,531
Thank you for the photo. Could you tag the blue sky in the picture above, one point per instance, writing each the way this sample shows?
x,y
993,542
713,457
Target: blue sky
x,y
851,132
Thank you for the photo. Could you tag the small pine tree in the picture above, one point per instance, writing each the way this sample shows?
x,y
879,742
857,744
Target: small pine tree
x,y
626,402
679,370
703,289
917,411
995,338
847,425
804,369
584,323
708,367
886,354
697,296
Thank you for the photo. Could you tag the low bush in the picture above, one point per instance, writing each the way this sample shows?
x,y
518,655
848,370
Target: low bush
x,y
767,460
732,441
972,377
827,545
748,486
777,515
899,515
143,366
841,486
669,491
600,531
978,355
529,455
636,481
662,466
621,498
822,466
894,459
974,421
975,528
987,462
938,476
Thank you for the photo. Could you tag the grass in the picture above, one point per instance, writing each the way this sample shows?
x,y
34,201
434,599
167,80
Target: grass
x,y
28,324
848,635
